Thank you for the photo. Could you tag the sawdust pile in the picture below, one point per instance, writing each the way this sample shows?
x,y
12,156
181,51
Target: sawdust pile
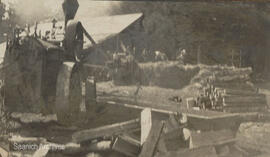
x,y
168,74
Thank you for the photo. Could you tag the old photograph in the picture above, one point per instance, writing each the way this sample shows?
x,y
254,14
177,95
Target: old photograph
x,y
134,78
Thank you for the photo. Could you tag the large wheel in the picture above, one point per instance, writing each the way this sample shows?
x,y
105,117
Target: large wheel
x,y
69,94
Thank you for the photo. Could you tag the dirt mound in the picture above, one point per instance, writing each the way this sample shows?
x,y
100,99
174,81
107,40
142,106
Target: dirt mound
x,y
177,76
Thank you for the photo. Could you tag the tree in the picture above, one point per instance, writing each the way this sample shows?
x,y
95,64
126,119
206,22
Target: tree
x,y
2,11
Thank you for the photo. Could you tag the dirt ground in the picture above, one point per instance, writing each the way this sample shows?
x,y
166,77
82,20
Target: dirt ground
x,y
256,136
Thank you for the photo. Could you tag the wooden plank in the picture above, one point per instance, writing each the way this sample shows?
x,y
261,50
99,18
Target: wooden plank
x,y
245,104
243,109
244,99
146,124
150,144
127,146
108,130
239,92
211,138
33,117
198,152
207,115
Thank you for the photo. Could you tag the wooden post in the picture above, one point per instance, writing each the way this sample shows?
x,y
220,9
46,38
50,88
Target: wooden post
x,y
146,124
150,144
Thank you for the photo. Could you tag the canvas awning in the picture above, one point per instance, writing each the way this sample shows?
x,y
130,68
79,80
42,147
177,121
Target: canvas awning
x,y
102,28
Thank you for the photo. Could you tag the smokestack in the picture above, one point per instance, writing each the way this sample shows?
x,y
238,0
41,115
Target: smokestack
x,y
70,8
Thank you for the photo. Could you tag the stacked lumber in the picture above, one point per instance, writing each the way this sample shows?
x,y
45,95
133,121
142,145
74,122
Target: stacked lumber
x,y
233,97
243,99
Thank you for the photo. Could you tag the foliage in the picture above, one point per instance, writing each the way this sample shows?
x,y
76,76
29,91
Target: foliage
x,y
216,29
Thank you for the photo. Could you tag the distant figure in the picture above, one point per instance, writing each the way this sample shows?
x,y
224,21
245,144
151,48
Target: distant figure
x,y
138,85
159,56
181,56
144,56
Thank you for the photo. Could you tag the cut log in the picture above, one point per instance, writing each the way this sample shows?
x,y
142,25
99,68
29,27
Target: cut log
x,y
127,146
211,138
74,150
150,144
106,131
33,118
198,152
93,155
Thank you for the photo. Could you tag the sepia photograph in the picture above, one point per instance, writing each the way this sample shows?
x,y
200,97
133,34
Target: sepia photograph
x,y
134,78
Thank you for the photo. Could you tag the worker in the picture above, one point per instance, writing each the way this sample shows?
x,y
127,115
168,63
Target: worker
x,y
160,56
181,56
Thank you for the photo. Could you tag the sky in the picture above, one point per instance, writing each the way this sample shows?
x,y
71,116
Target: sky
x,y
86,6
30,10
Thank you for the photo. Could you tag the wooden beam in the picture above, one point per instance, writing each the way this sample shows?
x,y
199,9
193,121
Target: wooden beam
x,y
89,36
150,144
244,109
125,102
239,92
245,99
127,146
108,130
